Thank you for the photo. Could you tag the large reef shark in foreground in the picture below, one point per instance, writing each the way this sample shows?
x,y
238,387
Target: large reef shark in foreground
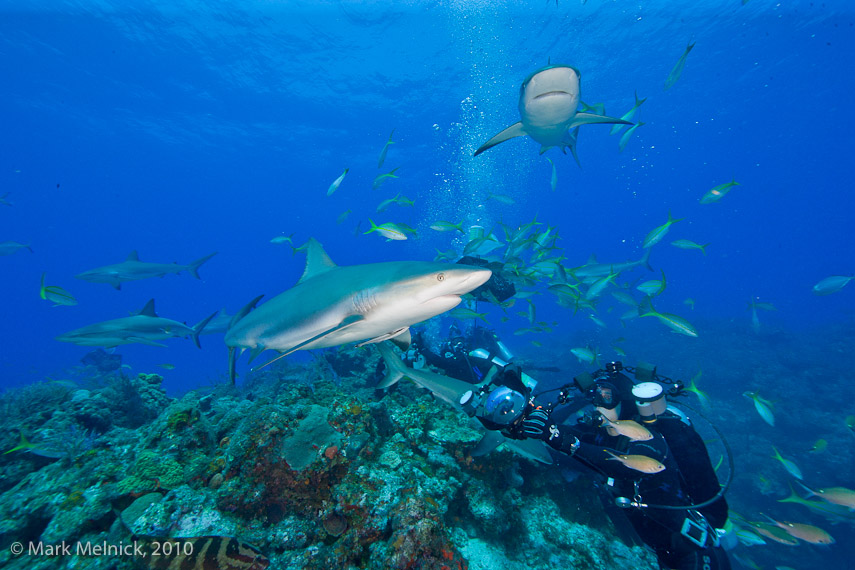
x,y
549,98
450,390
333,305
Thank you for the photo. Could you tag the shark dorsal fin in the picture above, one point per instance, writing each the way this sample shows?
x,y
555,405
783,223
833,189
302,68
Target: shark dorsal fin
x,y
148,310
592,260
317,260
133,256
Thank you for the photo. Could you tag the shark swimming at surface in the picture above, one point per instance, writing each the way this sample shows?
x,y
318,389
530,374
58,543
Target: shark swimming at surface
x,y
132,269
549,99
332,305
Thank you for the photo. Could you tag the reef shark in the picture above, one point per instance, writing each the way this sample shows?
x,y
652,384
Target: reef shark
x,y
593,269
132,269
549,99
450,390
332,305
145,327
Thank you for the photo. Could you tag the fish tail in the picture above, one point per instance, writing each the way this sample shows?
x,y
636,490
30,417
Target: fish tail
x,y
197,330
645,259
42,288
193,268
395,369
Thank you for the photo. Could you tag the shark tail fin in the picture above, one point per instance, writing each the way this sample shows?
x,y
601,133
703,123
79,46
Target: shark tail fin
x,y
592,119
200,326
193,268
395,369
515,130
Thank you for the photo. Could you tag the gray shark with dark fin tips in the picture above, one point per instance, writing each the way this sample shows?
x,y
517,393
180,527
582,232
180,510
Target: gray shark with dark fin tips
x,y
146,327
549,100
333,305
132,269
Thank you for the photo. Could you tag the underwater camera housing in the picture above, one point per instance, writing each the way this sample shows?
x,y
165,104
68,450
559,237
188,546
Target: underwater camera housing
x,y
501,399
500,288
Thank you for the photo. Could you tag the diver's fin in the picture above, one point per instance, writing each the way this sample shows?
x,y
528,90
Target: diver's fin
x,y
515,130
592,119
393,336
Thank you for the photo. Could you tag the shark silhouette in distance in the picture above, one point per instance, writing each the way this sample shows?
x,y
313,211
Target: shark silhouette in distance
x,y
450,390
549,99
332,305
145,327
132,269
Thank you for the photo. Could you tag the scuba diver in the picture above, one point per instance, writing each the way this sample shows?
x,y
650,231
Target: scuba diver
x,y
655,465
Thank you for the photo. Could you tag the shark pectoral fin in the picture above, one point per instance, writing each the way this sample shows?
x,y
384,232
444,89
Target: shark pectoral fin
x,y
592,119
490,441
258,349
515,130
394,336
143,340
346,322
533,449
403,340
117,285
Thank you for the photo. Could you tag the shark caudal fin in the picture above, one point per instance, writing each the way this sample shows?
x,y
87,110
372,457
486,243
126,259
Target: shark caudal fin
x,y
592,119
395,367
197,330
515,130
193,268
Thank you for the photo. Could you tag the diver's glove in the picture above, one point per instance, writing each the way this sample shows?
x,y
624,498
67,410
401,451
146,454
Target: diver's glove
x,y
537,425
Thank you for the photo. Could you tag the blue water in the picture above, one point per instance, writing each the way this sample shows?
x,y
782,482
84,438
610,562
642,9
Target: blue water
x,y
178,129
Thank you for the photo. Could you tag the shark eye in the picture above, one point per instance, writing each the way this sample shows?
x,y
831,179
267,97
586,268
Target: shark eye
x,y
440,276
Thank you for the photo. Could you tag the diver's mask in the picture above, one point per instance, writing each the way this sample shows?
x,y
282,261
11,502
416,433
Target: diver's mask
x,y
501,405
605,395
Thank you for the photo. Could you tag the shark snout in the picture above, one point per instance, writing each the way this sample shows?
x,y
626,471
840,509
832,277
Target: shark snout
x,y
473,279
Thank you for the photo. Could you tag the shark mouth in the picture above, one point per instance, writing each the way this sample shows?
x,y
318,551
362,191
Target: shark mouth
x,y
550,94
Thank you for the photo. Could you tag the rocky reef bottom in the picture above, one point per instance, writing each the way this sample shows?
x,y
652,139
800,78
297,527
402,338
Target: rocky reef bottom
x,y
302,468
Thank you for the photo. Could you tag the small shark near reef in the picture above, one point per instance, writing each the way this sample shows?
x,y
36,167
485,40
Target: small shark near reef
x,y
332,305
450,390
549,99
143,328
132,269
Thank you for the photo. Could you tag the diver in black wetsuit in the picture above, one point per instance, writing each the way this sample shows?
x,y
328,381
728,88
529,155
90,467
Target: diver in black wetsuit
x,y
666,483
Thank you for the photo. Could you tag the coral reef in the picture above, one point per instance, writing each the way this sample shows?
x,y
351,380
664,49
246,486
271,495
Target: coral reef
x,y
307,465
